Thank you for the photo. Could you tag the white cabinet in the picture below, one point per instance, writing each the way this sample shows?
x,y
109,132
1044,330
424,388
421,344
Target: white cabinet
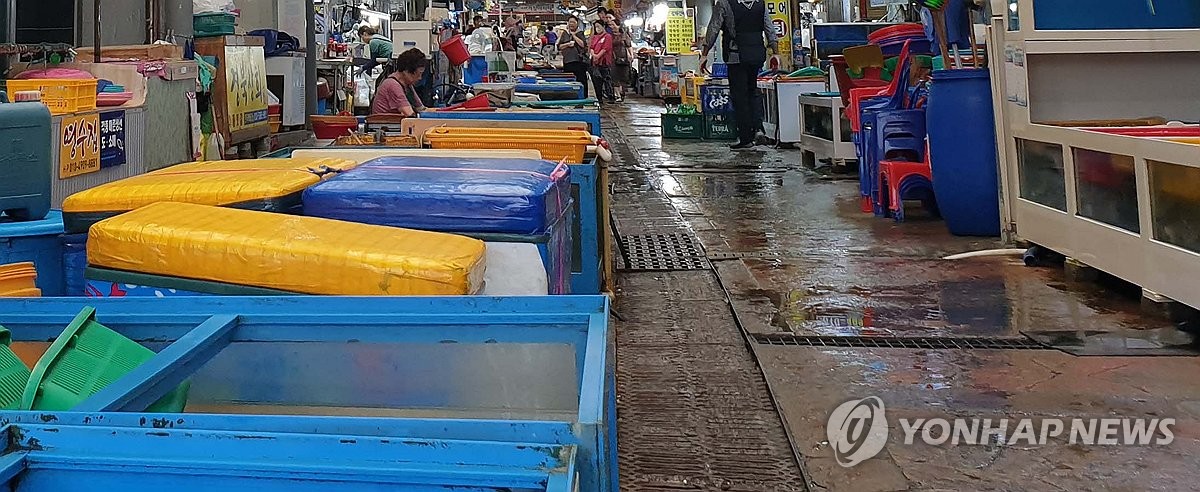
x,y
1126,205
285,79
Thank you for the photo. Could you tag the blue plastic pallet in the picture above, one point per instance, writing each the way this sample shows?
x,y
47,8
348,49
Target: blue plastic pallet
x,y
530,370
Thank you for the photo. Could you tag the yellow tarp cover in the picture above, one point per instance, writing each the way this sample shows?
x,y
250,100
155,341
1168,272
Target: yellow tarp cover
x,y
298,163
205,183
286,252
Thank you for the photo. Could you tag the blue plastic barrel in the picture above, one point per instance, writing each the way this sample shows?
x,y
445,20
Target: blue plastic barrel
x,y
74,264
26,165
962,151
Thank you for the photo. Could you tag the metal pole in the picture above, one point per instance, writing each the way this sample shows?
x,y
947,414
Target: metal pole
x,y
310,61
149,21
154,21
96,33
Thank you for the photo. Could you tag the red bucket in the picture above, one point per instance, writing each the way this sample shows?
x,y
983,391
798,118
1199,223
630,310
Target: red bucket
x,y
456,50
327,127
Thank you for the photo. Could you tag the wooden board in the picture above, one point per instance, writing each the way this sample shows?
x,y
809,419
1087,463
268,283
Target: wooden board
x,y
134,52
239,92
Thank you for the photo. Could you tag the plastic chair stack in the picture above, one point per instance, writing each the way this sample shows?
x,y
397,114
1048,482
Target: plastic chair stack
x,y
888,127
905,180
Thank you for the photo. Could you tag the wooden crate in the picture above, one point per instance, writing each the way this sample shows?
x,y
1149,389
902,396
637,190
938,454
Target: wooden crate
x,y
239,92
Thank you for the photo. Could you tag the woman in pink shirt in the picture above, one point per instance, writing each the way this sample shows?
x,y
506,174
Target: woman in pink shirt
x,y
397,94
601,44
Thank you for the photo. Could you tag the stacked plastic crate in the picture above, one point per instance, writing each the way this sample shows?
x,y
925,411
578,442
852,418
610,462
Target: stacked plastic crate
x,y
717,107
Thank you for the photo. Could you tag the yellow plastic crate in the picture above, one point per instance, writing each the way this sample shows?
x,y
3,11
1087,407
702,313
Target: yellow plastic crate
x,y
555,145
62,96
691,91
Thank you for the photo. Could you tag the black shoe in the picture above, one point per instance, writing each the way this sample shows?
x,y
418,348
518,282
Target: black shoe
x,y
742,145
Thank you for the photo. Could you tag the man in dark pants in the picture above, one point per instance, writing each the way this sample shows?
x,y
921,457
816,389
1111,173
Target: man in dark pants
x,y
744,26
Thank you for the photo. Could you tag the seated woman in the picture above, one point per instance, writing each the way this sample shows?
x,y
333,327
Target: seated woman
x,y
397,94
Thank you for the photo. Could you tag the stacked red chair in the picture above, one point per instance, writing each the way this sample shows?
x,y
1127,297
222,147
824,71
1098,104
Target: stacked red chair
x,y
901,180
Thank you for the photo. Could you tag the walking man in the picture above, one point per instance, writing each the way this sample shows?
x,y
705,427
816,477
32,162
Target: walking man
x,y
744,26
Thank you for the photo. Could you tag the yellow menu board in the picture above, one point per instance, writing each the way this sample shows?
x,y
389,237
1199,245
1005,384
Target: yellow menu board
x,y
781,20
681,31
246,81
79,145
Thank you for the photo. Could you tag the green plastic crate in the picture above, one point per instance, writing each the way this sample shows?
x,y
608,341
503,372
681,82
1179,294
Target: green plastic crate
x,y
682,125
210,24
720,126
13,374
85,358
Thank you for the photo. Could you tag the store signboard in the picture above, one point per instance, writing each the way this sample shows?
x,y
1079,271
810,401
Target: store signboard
x,y
681,31
781,19
112,139
79,145
246,80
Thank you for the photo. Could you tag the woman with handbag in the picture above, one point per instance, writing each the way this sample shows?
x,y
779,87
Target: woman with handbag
x,y
601,50
574,47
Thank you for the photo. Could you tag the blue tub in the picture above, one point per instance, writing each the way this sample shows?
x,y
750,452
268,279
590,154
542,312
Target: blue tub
x,y
532,370
962,151
37,241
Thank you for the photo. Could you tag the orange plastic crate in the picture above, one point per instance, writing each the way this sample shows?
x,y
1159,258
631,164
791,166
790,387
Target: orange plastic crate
x,y
554,145
62,96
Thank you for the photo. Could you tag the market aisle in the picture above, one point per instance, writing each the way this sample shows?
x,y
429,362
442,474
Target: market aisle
x,y
694,412
799,260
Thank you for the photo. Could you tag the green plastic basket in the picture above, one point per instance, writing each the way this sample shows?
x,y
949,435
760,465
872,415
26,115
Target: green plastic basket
x,y
13,374
682,125
85,358
720,126
209,24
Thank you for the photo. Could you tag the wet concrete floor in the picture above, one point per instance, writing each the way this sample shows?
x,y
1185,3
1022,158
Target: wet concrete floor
x,y
796,256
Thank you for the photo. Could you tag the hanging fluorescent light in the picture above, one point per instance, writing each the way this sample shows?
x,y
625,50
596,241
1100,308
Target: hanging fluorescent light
x,y
658,16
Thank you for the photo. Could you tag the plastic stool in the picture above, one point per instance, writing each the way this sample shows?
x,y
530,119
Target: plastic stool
x,y
902,179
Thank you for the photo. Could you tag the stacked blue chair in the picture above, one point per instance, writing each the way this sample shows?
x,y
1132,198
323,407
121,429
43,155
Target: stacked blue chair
x,y
868,140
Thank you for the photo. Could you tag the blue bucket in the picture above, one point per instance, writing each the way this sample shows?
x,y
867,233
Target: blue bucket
x,y
962,151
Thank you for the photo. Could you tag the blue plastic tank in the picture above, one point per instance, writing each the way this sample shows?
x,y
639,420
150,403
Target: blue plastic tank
x,y
74,264
962,151
24,159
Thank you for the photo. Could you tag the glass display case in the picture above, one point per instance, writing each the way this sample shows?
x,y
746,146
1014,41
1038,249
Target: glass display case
x,y
1099,137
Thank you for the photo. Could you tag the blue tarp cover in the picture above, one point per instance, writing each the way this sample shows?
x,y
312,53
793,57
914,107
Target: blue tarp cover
x,y
448,194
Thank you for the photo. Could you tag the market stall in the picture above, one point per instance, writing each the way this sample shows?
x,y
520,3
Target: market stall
x,y
143,101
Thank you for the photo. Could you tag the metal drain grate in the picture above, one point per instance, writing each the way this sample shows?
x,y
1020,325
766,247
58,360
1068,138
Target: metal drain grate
x,y
932,343
659,252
